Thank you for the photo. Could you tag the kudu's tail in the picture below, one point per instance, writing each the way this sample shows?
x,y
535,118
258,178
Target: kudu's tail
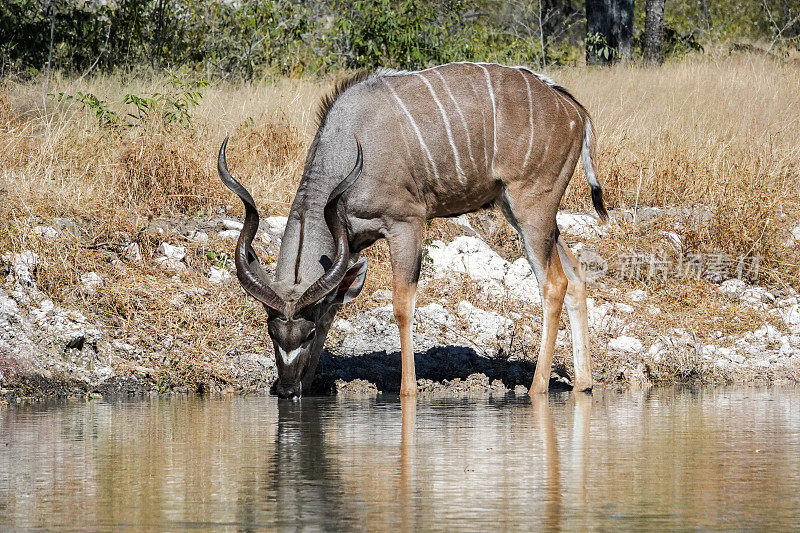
x,y
587,156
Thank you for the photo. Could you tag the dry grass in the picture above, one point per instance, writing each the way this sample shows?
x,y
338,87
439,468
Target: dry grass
x,y
721,133
724,134
162,171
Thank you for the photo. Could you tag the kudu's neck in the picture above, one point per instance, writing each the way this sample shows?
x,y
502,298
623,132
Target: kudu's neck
x,y
307,247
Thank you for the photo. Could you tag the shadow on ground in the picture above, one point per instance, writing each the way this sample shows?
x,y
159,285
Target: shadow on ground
x,y
438,364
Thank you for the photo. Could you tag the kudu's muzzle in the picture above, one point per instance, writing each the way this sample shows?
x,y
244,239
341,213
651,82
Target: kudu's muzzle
x,y
289,391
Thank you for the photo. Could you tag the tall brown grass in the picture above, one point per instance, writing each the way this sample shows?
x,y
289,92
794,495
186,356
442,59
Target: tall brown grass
x,y
722,134
719,133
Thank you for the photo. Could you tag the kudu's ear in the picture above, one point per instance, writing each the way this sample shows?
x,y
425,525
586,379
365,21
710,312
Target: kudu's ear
x,y
352,283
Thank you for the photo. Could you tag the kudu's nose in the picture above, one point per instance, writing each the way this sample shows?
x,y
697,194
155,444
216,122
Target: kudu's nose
x,y
289,391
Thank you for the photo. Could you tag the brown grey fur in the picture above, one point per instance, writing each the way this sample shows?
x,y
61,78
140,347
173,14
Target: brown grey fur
x,y
440,142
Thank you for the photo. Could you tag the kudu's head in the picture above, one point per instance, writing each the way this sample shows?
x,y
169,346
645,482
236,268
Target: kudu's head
x,y
298,325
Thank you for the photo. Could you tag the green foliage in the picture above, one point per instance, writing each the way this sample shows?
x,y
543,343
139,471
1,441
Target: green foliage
x,y
597,45
105,116
401,34
251,38
244,38
218,259
170,108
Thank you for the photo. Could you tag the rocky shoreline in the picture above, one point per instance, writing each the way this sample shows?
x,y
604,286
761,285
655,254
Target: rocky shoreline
x,y
476,329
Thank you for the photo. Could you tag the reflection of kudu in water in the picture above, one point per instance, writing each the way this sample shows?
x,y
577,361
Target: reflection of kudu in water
x,y
304,480
436,143
418,470
408,431
553,494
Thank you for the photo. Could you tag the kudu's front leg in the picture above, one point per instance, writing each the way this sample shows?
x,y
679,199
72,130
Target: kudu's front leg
x,y
405,247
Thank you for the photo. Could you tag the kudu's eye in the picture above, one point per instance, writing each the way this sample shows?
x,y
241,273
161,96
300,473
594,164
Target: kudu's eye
x,y
310,336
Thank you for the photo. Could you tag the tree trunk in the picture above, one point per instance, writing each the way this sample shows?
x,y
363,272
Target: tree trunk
x,y
654,32
623,28
609,30
599,31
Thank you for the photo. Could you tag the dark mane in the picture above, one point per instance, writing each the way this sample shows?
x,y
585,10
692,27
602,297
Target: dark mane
x,y
341,86
565,92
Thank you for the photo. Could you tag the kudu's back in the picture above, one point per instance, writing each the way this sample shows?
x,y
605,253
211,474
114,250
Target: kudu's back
x,y
451,137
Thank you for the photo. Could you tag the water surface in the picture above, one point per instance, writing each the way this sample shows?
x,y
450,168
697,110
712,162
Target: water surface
x,y
725,458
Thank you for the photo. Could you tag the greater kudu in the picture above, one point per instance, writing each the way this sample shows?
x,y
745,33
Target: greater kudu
x,y
436,143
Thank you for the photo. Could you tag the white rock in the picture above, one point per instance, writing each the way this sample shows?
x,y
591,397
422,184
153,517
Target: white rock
x,y
788,301
625,308
343,325
767,332
46,231
709,351
232,224
578,224
382,295
791,315
637,295
735,358
90,282
469,255
200,237
178,301
597,313
8,308
786,349
195,292
46,308
625,343
521,282
673,239
496,277
794,236
653,311
463,222
229,234
23,266
276,226
656,351
733,288
132,252
219,276
176,253
486,327
169,263
755,296
434,314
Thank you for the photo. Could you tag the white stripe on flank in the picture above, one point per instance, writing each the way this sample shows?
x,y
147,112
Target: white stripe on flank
x,y
494,115
569,101
459,170
416,129
530,118
460,114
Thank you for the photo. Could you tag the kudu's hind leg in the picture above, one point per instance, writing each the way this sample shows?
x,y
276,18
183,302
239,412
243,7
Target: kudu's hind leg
x,y
540,240
552,289
405,248
578,316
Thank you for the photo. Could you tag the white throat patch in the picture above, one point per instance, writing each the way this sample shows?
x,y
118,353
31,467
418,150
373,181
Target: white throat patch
x,y
289,357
